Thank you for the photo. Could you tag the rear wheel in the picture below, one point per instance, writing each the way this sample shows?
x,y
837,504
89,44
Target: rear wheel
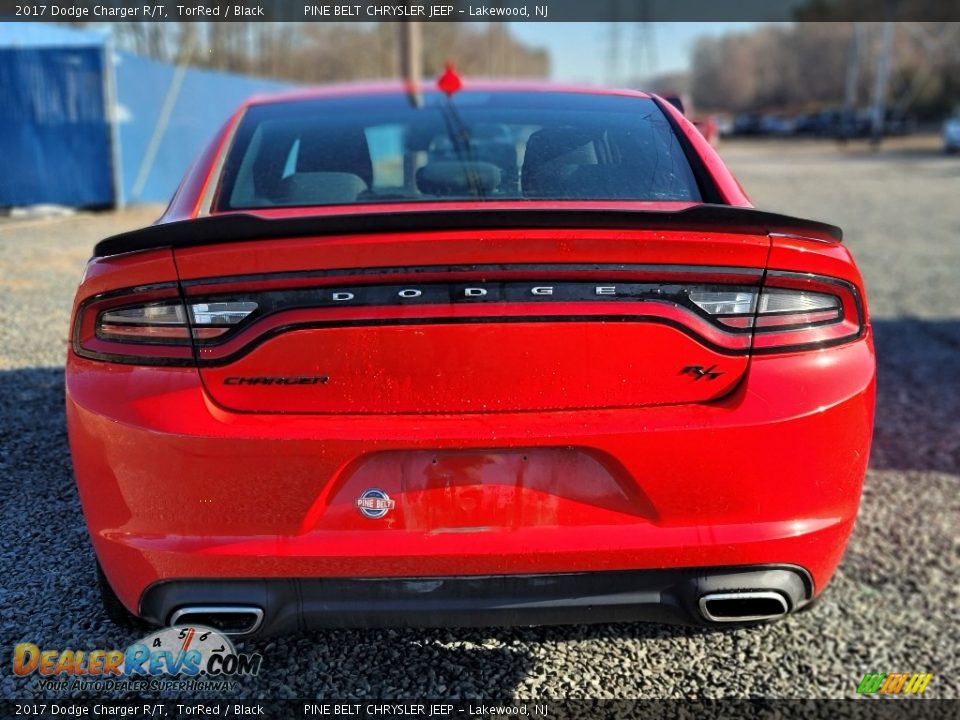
x,y
115,610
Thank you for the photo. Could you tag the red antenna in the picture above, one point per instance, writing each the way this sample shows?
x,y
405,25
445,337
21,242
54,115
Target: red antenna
x,y
449,82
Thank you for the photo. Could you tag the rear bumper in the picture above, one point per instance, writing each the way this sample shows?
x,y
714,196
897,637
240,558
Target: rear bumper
x,y
297,605
174,488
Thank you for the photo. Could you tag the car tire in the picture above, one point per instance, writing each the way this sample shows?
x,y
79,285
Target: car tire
x,y
115,610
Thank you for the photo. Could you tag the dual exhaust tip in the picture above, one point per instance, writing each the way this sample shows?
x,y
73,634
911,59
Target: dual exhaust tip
x,y
739,607
231,620
725,607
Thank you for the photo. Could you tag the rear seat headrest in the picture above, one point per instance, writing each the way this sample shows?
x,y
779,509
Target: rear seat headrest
x,y
320,188
451,177
335,150
551,156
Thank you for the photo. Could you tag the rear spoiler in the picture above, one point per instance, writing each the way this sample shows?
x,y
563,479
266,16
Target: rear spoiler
x,y
236,227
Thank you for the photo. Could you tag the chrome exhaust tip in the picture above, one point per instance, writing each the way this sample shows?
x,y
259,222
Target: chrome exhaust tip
x,y
743,606
226,619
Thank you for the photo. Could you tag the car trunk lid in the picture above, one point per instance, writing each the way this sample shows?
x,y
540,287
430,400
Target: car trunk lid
x,y
471,321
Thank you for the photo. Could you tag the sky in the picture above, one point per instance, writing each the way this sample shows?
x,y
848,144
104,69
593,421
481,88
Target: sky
x,y
579,51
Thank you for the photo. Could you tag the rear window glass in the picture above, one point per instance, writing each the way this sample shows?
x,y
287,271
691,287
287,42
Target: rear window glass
x,y
476,146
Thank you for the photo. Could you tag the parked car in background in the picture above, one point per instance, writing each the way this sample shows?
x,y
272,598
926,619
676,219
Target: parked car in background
x,y
850,124
724,125
707,125
748,124
807,125
836,123
776,125
951,134
897,123
676,100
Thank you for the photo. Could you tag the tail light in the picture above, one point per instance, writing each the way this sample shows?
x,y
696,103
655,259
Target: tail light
x,y
153,322
792,311
152,326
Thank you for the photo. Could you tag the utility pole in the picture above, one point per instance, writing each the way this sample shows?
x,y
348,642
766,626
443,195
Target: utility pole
x,y
644,60
643,52
853,68
613,51
411,69
411,60
880,82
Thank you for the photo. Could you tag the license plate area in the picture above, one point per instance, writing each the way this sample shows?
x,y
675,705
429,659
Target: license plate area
x,y
488,490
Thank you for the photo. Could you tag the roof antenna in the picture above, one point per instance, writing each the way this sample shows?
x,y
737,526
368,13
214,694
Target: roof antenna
x,y
449,82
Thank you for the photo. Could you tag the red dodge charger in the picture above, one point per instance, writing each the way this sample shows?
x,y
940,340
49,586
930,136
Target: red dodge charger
x,y
504,354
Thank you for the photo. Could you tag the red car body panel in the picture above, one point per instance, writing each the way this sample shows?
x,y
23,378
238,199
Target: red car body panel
x,y
509,445
719,505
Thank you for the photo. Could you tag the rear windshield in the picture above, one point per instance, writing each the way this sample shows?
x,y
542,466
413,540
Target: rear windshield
x,y
475,146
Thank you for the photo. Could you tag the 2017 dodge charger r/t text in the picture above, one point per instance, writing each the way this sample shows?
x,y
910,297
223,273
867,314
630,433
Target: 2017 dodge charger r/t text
x,y
500,354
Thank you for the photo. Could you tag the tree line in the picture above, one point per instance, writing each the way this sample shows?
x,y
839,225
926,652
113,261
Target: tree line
x,y
328,52
807,66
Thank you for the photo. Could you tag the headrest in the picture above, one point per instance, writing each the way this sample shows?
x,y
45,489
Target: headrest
x,y
551,155
572,146
451,177
333,149
320,188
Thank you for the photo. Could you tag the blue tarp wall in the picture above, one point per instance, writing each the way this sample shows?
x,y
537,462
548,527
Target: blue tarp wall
x,y
204,101
76,119
54,134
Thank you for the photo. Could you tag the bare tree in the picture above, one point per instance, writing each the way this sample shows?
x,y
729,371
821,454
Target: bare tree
x,y
804,67
325,52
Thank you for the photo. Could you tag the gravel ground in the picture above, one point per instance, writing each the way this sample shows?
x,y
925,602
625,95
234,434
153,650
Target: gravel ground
x,y
891,607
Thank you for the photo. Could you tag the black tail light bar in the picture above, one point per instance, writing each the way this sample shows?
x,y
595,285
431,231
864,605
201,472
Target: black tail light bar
x,y
732,310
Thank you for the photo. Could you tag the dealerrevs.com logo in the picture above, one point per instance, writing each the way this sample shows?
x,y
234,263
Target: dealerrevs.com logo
x,y
176,658
894,683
